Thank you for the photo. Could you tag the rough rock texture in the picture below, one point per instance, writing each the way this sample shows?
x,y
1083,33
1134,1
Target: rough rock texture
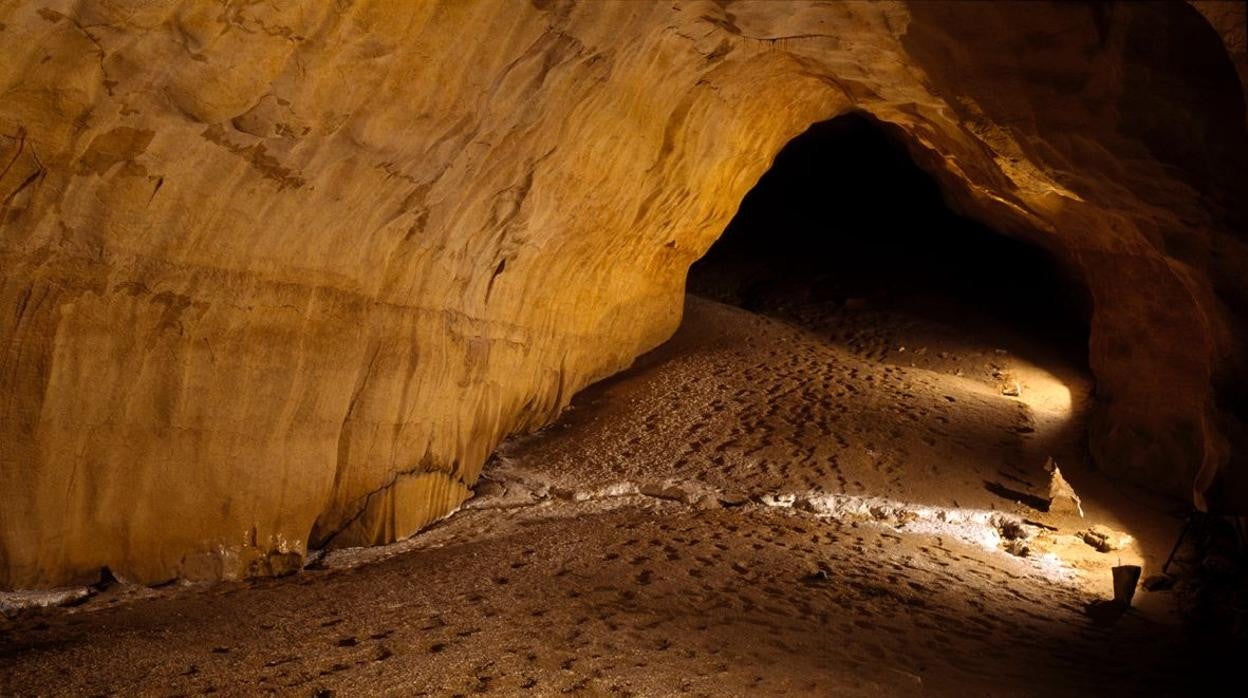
x,y
1062,497
284,274
1230,19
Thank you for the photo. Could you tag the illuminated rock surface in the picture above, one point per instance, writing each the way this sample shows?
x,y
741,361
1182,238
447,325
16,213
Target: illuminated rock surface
x,y
280,278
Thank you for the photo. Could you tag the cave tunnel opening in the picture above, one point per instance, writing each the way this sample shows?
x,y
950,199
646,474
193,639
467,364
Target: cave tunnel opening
x,y
849,239
845,218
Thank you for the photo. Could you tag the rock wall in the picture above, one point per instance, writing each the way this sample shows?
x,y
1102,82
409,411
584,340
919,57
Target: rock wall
x,y
283,274
1230,20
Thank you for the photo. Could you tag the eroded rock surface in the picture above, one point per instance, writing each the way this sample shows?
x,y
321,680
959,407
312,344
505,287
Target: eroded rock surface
x,y
284,276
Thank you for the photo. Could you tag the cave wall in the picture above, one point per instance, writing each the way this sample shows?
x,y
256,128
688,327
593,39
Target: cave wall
x,y
1230,20
283,274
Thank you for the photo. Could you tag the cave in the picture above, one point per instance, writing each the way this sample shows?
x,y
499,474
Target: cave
x,y
542,347
847,237
845,214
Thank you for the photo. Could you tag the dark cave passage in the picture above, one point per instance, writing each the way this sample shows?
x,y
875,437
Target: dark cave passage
x,y
845,217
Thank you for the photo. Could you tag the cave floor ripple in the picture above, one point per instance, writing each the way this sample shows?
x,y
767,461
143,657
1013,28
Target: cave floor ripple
x,y
755,508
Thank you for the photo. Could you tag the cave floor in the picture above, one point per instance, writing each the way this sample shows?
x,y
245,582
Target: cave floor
x,y
755,508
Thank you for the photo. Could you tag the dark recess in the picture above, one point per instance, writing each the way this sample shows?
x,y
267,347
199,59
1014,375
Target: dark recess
x,y
844,212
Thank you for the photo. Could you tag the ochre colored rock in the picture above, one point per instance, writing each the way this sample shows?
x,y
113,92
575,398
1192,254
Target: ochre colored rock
x,y
1062,497
1104,538
279,273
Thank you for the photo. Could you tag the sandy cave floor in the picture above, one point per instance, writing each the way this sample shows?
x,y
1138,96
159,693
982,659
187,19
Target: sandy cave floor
x,y
816,505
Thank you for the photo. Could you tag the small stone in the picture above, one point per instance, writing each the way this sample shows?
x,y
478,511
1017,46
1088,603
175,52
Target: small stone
x,y
1017,547
1011,389
1062,497
1097,541
819,575
1012,530
1104,539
